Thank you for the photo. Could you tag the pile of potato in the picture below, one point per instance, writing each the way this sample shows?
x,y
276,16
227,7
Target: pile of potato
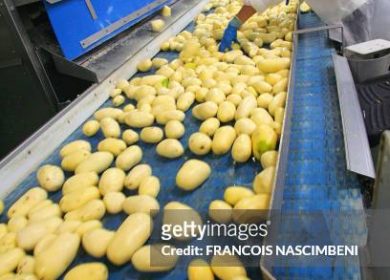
x,y
239,99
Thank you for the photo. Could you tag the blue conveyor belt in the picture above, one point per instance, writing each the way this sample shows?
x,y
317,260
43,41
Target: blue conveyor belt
x,y
321,198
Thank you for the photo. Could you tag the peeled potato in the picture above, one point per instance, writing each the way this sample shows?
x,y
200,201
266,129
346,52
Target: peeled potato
x,y
90,128
227,267
88,271
192,174
170,148
220,211
166,11
157,25
150,258
136,175
141,203
149,186
145,65
223,140
50,177
234,194
263,182
174,129
130,136
152,134
199,269
269,158
242,148
199,143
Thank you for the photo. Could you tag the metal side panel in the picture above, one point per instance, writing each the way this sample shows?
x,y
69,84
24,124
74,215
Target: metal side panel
x,y
27,157
358,153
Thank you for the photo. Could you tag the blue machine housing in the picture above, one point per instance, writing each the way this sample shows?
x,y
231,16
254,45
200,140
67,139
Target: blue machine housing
x,y
72,21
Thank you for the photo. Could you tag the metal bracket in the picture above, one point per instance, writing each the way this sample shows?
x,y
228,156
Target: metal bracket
x,y
357,149
323,28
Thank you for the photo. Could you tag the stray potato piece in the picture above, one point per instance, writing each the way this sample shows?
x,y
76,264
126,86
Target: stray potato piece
x,y
166,11
88,271
90,128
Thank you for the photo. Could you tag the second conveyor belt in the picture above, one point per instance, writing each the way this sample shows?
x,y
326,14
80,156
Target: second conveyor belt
x,y
321,202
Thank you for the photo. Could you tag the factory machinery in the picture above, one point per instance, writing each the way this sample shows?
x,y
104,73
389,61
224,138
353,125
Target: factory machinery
x,y
324,168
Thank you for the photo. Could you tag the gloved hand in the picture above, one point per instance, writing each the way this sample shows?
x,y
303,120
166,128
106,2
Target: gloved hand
x,y
230,35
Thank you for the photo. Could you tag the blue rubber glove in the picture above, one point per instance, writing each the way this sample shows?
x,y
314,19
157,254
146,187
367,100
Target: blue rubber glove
x,y
230,35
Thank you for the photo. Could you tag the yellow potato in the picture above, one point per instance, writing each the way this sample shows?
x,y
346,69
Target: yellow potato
x,y
112,145
264,100
242,148
26,202
141,203
262,87
177,213
71,161
122,84
107,113
44,243
3,230
209,126
97,162
199,143
116,91
10,260
79,181
165,117
263,183
261,116
92,210
76,199
130,236
136,175
26,265
30,235
114,201
8,242
251,209
150,258
205,110
278,101
220,211
48,211
152,134
75,146
264,139
166,11
112,180
223,140
215,95
88,271
129,158
110,128
269,159
90,128
174,129
87,226
118,100
274,64
245,107
244,126
199,269
95,242
157,25
149,186
130,136
39,206
227,267
234,194
226,111
50,177
145,65
54,260
139,119
66,226
185,101
234,98
128,108
16,223
280,86
158,62
192,174
170,148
